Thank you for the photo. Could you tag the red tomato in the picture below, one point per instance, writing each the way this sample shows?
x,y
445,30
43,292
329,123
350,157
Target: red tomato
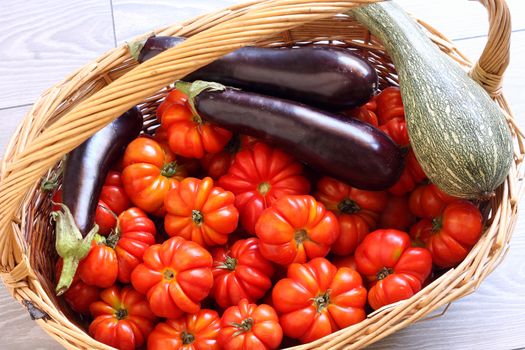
x,y
363,114
450,237
189,135
176,275
137,233
189,332
250,327
150,172
217,164
79,295
345,261
396,214
428,201
411,176
357,211
397,130
122,319
317,299
296,229
200,212
389,105
174,97
259,177
112,201
240,273
394,269
100,267
371,105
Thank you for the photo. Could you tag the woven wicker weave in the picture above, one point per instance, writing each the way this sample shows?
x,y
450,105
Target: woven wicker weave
x,y
69,112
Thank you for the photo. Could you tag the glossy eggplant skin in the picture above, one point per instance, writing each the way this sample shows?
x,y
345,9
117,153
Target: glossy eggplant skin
x,y
156,44
347,149
327,77
87,165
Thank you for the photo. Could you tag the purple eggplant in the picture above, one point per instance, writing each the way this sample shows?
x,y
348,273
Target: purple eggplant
x,y
347,149
327,77
85,171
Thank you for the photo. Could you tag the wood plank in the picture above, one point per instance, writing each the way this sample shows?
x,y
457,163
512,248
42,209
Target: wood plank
x,y
455,18
10,118
43,41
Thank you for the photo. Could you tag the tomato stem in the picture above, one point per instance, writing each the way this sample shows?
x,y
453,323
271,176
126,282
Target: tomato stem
x,y
187,338
322,301
169,274
264,188
300,236
437,224
170,169
243,327
384,272
197,217
348,206
121,314
70,245
229,263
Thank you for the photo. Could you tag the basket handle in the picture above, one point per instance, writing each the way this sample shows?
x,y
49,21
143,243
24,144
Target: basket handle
x,y
488,70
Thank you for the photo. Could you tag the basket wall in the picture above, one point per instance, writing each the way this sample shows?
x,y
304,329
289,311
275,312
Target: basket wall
x,y
27,242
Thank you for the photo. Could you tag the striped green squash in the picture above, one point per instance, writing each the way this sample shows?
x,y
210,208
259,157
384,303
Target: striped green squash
x,y
458,133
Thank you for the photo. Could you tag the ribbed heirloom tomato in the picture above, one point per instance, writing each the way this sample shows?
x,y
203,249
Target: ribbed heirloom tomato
x,y
201,212
357,211
250,327
189,135
197,331
411,176
150,171
175,275
450,236
396,214
136,234
296,229
318,298
397,130
240,272
259,177
428,201
122,319
394,269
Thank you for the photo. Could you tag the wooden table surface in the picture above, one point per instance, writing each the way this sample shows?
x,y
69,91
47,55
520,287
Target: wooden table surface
x,y
44,40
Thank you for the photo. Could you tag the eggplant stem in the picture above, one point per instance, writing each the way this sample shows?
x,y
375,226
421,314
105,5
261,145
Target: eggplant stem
x,y
136,46
195,88
70,245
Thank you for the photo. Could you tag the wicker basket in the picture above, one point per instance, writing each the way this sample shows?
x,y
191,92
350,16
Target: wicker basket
x,y
71,111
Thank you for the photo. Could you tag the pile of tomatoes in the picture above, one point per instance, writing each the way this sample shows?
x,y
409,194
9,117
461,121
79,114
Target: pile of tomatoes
x,y
210,240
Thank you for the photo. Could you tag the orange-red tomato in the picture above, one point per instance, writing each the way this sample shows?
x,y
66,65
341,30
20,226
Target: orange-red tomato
x,y
174,97
100,267
296,229
389,105
397,130
197,331
188,134
122,319
344,261
175,275
412,175
200,212
357,211
428,201
240,272
394,269
150,171
318,298
259,177
250,327
136,234
450,236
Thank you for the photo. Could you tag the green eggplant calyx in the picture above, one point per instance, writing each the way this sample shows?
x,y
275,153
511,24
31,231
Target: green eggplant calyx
x,y
70,246
136,46
194,89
